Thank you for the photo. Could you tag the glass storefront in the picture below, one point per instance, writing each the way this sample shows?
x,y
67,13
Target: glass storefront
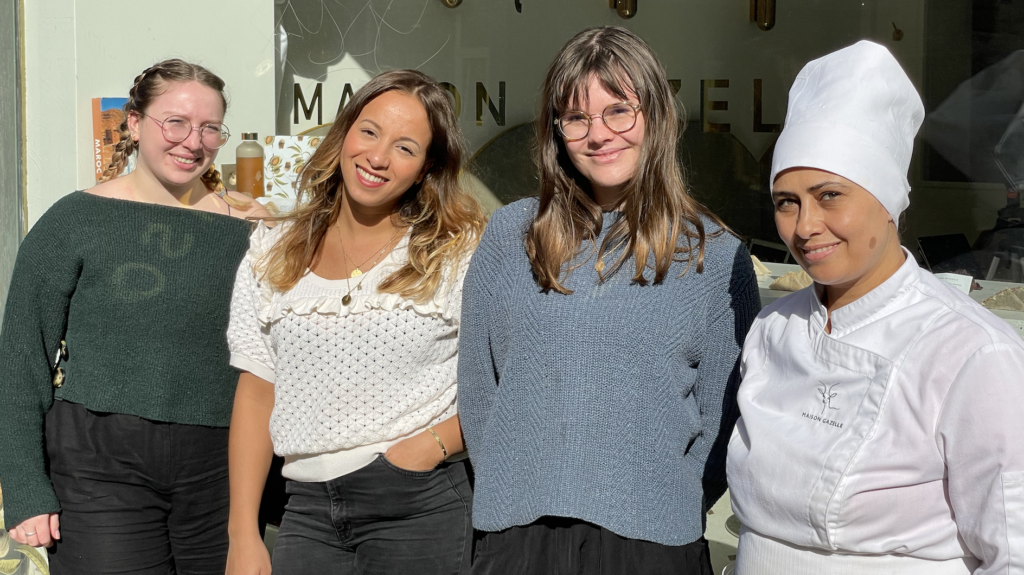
x,y
732,64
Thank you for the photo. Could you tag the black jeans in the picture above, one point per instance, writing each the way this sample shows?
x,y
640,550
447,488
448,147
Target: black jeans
x,y
562,546
137,496
379,520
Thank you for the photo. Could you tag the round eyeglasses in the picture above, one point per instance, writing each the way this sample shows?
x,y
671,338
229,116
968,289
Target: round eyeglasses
x,y
575,125
176,129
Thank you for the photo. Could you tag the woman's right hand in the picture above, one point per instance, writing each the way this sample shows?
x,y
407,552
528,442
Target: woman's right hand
x,y
39,531
247,556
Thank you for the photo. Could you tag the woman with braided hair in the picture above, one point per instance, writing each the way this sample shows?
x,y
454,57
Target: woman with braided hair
x,y
113,361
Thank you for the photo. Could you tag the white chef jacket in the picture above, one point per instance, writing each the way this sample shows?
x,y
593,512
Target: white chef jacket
x,y
899,433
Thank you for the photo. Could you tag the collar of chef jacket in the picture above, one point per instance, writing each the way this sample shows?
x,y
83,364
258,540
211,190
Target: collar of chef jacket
x,y
862,311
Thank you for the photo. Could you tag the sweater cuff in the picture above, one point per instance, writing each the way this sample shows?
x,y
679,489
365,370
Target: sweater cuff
x,y
24,500
254,367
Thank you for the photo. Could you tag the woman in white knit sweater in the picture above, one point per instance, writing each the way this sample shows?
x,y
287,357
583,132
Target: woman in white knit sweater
x,y
345,323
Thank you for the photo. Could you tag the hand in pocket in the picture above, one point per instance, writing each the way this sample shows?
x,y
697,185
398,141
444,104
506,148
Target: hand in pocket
x,y
417,453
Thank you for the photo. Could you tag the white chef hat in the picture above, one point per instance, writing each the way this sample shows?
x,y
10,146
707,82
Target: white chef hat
x,y
854,113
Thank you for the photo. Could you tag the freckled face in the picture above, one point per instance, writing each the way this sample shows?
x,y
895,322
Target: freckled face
x,y
385,150
836,230
177,165
606,159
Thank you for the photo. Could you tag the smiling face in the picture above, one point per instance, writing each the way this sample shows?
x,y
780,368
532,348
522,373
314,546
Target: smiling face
x,y
385,151
176,165
837,231
606,159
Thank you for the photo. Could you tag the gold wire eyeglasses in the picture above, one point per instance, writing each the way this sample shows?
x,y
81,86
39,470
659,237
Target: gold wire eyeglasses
x,y
176,129
575,125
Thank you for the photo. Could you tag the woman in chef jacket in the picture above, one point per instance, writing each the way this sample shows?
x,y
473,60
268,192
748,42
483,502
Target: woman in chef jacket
x,y
881,428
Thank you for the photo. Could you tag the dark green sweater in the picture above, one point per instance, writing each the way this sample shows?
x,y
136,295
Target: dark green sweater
x,y
141,294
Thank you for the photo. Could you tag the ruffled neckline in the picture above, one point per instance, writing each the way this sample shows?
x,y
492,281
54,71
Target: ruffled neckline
x,y
315,294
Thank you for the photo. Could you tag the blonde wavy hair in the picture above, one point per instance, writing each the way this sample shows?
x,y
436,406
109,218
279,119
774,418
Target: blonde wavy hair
x,y
147,86
657,211
445,221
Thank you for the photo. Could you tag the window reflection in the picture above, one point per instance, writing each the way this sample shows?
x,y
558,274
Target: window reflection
x,y
731,75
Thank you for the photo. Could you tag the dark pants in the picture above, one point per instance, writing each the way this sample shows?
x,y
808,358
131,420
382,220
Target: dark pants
x,y
137,496
379,520
561,546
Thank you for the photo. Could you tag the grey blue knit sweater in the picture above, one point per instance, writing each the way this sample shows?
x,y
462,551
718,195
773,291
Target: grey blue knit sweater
x,y
613,405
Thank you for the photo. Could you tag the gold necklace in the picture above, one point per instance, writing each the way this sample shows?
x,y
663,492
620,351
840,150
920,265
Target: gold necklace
x,y
356,271
347,298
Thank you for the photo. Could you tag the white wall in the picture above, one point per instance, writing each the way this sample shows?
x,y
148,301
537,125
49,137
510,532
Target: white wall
x,y
76,50
11,212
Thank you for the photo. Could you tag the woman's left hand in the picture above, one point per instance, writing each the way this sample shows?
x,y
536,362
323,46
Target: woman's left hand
x,y
417,453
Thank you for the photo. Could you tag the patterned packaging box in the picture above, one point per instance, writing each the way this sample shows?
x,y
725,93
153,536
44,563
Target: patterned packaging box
x,y
283,160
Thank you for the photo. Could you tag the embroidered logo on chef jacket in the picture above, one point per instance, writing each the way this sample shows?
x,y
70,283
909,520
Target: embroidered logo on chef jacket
x,y
806,413
826,394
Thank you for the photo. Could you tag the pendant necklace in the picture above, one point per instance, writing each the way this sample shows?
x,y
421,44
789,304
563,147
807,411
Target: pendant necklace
x,y
356,272
347,298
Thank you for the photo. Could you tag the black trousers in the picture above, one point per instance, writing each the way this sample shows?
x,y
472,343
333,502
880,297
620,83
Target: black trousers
x,y
137,496
378,520
562,546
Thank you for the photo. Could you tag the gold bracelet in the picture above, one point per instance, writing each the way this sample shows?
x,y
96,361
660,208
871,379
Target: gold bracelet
x,y
439,442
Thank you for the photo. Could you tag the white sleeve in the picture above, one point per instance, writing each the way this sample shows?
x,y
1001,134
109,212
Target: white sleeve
x,y
981,435
249,340
454,294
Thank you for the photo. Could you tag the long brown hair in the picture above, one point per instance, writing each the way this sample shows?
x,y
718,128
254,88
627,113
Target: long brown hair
x,y
147,86
657,209
446,221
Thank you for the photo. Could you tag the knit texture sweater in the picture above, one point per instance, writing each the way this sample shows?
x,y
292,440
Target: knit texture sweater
x,y
611,405
346,374
141,294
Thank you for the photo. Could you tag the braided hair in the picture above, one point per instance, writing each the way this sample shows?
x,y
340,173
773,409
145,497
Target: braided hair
x,y
148,85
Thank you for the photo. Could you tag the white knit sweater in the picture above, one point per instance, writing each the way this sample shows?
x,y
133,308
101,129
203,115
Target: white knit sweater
x,y
349,380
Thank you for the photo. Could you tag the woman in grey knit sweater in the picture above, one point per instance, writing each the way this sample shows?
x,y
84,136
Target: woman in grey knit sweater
x,y
601,327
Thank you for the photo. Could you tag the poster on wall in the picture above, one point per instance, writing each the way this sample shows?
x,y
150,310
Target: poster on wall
x,y
107,116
